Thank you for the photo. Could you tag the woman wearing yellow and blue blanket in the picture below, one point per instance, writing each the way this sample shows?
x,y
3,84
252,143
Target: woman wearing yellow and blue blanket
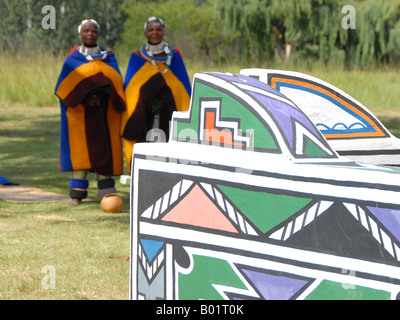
x,y
156,85
92,99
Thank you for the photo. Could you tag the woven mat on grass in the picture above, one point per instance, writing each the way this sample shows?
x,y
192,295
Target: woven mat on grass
x,y
25,194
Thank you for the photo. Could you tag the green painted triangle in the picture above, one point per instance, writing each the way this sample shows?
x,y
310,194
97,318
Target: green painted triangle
x,y
205,273
264,210
312,150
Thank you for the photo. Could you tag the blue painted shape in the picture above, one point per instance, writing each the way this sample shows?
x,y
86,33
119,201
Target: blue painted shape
x,y
151,248
366,126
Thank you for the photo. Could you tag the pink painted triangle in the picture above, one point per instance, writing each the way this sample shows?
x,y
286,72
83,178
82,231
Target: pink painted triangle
x,y
196,209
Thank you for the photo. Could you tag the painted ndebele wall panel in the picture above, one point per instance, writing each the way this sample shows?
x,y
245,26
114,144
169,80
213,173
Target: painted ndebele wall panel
x,y
248,201
351,129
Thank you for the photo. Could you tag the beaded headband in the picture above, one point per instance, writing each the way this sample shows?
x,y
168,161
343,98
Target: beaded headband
x,y
153,21
88,21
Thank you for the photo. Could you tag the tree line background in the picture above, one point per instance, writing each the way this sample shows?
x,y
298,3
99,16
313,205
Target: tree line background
x,y
218,31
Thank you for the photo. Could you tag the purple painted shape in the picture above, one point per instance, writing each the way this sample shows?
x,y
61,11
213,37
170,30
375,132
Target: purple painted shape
x,y
390,218
274,287
284,115
240,78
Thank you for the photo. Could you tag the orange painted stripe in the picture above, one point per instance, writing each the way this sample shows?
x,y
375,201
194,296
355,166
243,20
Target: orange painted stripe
x,y
224,137
210,120
378,133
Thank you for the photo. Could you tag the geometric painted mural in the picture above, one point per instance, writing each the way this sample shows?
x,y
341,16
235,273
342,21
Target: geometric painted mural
x,y
219,213
351,129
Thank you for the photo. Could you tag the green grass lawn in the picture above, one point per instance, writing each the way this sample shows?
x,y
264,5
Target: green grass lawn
x,y
88,248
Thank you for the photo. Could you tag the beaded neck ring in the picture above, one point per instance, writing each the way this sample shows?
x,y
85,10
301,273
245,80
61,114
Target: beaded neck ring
x,y
93,54
149,51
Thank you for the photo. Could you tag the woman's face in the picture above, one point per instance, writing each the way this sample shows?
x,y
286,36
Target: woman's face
x,y
154,34
89,35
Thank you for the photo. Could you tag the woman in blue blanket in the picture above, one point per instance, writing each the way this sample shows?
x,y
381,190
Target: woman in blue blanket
x,y
156,85
92,99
